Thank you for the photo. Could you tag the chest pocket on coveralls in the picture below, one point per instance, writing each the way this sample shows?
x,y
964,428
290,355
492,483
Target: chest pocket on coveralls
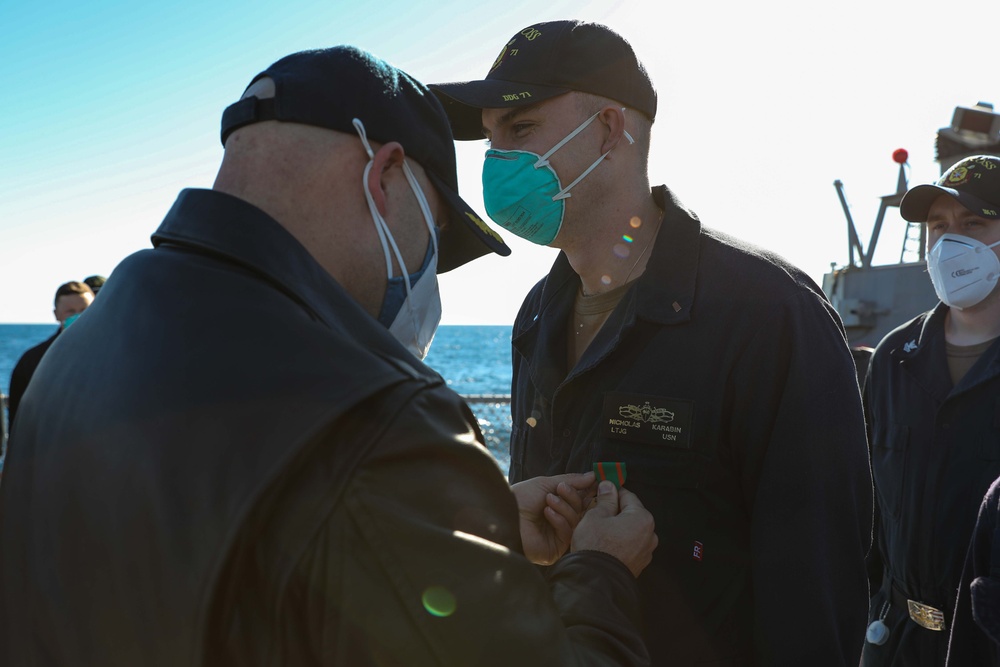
x,y
889,467
654,436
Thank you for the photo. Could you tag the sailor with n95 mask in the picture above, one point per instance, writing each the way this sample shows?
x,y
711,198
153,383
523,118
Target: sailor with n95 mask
x,y
933,398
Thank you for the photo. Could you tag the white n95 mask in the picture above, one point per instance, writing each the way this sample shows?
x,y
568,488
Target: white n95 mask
x,y
412,320
963,270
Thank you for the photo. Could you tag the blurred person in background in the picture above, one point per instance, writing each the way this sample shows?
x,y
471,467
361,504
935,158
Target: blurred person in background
x,y
71,300
95,283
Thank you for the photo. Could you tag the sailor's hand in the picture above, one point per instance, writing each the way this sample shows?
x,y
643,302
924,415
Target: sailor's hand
x,y
619,525
550,508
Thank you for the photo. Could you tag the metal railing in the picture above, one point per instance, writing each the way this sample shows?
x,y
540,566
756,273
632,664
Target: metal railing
x,y
492,412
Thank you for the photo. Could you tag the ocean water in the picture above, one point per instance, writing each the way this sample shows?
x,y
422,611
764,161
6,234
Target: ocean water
x,y
15,339
473,360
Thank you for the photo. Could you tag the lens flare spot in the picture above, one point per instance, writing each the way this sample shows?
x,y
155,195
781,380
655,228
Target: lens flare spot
x,y
472,519
626,238
621,250
605,279
635,222
438,601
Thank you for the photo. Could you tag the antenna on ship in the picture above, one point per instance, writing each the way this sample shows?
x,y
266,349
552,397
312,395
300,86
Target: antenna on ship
x,y
900,157
915,236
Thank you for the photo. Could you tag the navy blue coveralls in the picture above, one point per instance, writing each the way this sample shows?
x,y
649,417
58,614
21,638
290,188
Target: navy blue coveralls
x,y
935,452
724,381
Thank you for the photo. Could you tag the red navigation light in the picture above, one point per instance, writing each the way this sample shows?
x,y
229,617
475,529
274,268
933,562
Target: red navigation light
x,y
900,156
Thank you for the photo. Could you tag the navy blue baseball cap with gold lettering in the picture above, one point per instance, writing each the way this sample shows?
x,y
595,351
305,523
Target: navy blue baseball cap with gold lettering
x,y
973,182
331,87
545,60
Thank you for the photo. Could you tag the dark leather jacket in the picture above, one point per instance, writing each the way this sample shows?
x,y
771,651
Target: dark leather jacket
x,y
226,461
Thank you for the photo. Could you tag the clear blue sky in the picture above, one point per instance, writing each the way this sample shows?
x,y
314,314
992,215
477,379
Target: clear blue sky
x,y
110,108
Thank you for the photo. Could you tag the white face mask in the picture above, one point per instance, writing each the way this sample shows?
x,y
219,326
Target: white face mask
x,y
963,270
416,321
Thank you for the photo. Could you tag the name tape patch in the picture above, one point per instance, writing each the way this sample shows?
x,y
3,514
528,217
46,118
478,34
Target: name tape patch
x,y
653,420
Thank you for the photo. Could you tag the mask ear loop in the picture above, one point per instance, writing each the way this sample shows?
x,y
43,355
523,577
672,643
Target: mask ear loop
x,y
380,224
543,161
422,201
977,249
565,192
425,210
992,277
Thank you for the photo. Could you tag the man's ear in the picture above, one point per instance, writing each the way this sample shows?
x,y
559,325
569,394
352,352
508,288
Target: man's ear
x,y
388,156
614,118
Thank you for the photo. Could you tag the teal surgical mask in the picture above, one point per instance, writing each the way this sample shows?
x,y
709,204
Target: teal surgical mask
x,y
522,192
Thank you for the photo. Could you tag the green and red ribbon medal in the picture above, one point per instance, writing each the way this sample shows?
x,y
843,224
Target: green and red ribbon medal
x,y
613,471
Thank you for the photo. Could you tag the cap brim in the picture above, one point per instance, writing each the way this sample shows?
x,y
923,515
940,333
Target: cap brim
x,y
916,203
465,237
464,101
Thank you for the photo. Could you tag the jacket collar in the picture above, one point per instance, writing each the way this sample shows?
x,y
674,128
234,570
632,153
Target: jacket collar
x,y
922,351
922,335
231,228
227,226
665,291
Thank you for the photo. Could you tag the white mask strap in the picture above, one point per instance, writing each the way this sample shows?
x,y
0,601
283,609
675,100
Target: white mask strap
x,y
628,136
565,192
422,201
962,239
544,160
360,127
562,194
385,236
425,209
